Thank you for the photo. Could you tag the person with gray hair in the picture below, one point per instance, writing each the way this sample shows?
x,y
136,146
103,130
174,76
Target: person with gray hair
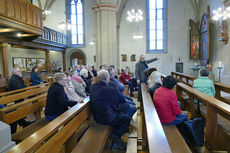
x,y
16,82
84,75
57,101
154,82
139,71
106,111
79,84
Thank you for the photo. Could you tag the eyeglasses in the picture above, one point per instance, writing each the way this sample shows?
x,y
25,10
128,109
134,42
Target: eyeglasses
x,y
64,79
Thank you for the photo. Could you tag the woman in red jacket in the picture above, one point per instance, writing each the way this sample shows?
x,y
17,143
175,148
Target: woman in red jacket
x,y
126,79
166,103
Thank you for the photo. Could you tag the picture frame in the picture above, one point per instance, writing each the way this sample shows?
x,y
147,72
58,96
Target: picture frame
x,y
124,57
194,40
133,57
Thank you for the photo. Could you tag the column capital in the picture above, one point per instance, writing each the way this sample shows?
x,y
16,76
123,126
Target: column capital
x,y
105,7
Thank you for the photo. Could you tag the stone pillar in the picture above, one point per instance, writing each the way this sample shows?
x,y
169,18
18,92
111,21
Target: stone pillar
x,y
106,32
48,61
64,60
3,50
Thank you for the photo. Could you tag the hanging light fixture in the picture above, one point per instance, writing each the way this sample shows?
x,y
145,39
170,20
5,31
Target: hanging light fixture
x,y
137,35
63,25
221,14
135,14
46,12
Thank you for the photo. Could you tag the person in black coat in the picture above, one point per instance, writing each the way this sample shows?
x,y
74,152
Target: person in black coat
x,y
57,101
94,71
35,77
16,82
105,108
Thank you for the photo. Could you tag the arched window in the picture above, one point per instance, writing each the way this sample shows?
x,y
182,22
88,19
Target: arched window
x,y
156,26
75,14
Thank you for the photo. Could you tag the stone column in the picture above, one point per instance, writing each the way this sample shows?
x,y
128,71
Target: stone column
x,y
3,50
48,61
106,32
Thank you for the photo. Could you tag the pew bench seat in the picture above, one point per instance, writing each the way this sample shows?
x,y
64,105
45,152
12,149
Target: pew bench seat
x,y
93,140
175,139
29,130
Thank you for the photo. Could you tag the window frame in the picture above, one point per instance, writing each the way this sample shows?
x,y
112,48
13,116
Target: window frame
x,y
165,28
68,18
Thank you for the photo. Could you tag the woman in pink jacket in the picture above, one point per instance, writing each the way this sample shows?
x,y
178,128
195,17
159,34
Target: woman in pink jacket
x,y
166,103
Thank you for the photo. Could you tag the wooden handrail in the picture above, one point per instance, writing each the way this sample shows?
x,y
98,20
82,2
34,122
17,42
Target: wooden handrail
x,y
36,139
157,141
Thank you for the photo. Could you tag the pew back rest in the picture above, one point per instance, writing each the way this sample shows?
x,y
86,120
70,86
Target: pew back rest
x,y
22,90
17,111
23,95
220,87
180,77
56,133
157,141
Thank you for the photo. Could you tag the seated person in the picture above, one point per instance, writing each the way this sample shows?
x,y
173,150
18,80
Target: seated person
x,y
35,77
60,70
79,84
104,104
126,79
166,103
84,75
70,91
118,85
57,102
204,84
16,82
154,82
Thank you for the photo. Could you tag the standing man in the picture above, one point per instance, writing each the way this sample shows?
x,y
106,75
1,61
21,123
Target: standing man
x,y
139,71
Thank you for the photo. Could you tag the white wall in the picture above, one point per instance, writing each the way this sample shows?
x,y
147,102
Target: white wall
x,y
218,50
179,13
90,32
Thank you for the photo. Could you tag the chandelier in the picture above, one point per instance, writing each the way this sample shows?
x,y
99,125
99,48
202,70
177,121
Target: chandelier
x,y
135,14
46,12
137,35
63,25
220,13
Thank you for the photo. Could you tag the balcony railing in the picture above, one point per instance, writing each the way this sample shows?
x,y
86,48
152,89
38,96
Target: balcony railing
x,y
52,37
22,15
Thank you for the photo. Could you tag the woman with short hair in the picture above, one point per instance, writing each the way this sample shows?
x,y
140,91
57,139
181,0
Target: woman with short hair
x,y
204,84
154,82
84,75
57,101
166,103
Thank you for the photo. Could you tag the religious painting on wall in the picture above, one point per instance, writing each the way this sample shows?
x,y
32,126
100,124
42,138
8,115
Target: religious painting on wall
x,y
41,63
124,57
30,63
20,63
133,57
179,67
204,34
194,40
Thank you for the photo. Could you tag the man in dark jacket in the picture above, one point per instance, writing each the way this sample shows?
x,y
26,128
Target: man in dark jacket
x,y
16,82
139,71
105,108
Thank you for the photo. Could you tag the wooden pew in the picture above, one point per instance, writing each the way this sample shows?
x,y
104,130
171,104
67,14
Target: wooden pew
x,y
159,139
217,114
21,90
219,87
16,111
65,131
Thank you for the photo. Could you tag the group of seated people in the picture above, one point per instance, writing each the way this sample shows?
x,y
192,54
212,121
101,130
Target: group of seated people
x,y
165,99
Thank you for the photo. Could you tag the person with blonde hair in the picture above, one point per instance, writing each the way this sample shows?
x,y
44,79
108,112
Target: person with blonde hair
x,y
57,101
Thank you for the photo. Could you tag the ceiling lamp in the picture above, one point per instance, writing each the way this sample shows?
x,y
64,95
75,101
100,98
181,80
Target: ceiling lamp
x,y
46,12
221,14
135,14
138,35
63,25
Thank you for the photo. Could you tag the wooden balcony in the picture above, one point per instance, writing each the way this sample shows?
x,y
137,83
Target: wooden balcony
x,y
52,37
20,16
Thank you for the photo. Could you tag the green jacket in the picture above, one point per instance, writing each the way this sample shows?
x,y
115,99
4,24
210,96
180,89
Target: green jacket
x,y
205,85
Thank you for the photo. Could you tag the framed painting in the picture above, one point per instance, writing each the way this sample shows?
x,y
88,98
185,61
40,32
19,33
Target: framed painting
x,y
124,57
194,40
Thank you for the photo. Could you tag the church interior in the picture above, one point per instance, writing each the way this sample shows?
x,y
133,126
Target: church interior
x,y
184,40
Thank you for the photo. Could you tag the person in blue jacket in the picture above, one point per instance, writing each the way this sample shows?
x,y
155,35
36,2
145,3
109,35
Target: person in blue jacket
x,y
35,77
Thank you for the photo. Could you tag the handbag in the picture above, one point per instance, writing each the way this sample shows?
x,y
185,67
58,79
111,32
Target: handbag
x,y
194,131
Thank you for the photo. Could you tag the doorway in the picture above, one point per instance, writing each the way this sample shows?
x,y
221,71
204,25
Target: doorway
x,y
77,58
